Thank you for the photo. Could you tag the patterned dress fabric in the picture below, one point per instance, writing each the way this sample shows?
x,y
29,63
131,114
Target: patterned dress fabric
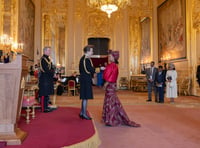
x,y
113,112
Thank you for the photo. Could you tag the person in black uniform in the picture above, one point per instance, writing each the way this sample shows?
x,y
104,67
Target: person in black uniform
x,y
198,74
87,71
46,86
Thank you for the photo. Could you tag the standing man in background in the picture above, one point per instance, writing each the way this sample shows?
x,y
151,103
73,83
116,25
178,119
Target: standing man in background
x,y
46,86
150,75
160,84
198,74
87,71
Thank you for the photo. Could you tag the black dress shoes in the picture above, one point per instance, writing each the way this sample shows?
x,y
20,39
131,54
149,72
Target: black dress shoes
x,y
148,100
85,117
161,102
47,110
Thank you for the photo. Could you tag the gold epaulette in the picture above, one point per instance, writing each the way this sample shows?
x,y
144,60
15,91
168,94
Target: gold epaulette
x,y
85,64
48,62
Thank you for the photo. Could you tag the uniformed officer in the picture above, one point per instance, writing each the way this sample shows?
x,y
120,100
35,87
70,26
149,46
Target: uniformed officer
x,y
87,71
46,86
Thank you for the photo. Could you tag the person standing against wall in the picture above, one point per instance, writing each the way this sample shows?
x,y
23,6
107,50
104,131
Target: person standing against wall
x,y
87,71
150,75
171,83
160,84
46,86
198,74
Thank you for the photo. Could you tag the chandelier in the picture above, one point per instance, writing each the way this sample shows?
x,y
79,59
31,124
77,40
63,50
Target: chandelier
x,y
108,6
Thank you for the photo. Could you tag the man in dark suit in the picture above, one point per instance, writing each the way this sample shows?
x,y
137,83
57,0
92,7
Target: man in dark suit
x,y
46,86
87,71
160,84
150,75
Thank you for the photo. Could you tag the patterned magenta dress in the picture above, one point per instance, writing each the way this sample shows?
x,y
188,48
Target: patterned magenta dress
x,y
113,112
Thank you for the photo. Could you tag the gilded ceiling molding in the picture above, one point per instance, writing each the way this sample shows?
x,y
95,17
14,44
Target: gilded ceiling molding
x,y
196,14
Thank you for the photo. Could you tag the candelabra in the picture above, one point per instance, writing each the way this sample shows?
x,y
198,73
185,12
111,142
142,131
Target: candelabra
x,y
8,48
7,45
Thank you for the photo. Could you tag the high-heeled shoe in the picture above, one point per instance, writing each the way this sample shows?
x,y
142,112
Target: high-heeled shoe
x,y
133,124
81,116
86,117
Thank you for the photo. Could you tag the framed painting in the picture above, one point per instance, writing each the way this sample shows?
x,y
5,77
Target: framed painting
x,y
145,54
172,30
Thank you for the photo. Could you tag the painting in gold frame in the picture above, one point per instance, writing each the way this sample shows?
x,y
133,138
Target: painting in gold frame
x,y
172,30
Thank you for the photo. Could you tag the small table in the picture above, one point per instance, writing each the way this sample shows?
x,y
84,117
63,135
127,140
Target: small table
x,y
29,100
138,82
29,103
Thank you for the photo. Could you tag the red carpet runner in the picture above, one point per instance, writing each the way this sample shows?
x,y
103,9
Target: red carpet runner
x,y
57,129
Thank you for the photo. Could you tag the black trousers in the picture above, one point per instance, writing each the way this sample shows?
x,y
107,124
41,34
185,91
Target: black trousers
x,y
160,94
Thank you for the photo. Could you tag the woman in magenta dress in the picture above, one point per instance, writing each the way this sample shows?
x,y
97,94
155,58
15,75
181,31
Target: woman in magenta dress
x,y
113,112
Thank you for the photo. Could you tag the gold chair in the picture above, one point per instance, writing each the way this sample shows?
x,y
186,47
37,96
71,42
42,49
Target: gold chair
x,y
184,86
71,87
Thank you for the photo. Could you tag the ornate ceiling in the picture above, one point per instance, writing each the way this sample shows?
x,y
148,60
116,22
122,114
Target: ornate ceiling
x,y
57,9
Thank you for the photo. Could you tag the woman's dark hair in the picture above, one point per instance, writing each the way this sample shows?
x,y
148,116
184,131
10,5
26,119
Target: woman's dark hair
x,y
87,48
116,61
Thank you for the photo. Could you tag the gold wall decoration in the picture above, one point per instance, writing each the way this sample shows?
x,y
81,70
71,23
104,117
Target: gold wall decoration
x,y
134,45
9,18
196,14
46,31
142,8
145,54
61,46
79,11
55,18
27,22
54,5
97,25
7,13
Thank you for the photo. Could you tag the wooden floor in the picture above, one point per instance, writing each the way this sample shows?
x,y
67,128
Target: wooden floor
x,y
163,125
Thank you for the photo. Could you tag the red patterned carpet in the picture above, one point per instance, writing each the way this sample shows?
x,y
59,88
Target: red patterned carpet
x,y
59,128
